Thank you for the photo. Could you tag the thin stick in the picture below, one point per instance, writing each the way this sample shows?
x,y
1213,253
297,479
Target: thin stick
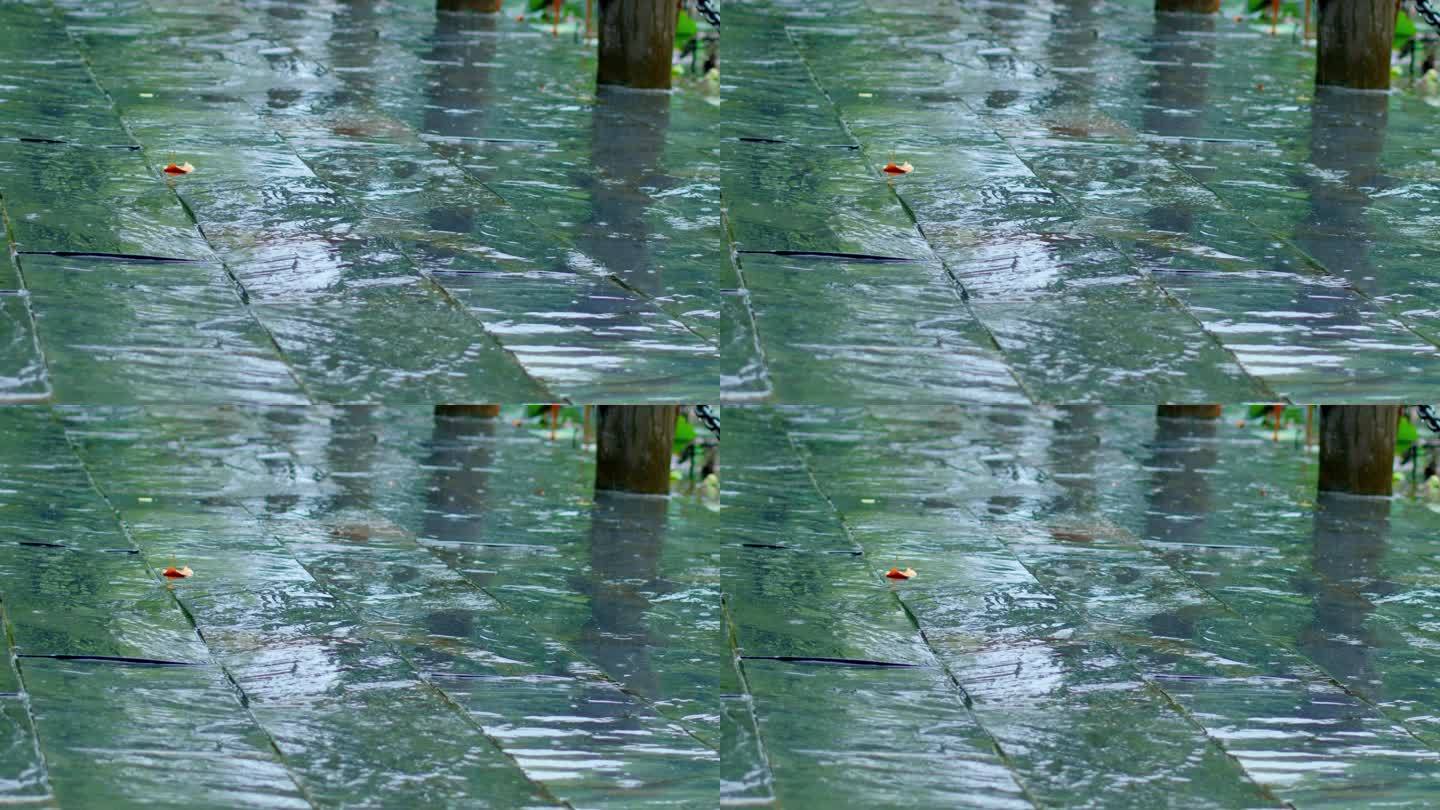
x,y
587,17
1274,15
555,18
1306,37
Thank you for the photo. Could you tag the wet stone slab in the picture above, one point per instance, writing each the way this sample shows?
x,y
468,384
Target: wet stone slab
x,y
1122,639
121,331
399,604
1076,173
552,242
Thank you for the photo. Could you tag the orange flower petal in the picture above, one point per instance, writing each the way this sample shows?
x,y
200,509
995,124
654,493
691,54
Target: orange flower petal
x,y
896,573
183,168
893,168
178,573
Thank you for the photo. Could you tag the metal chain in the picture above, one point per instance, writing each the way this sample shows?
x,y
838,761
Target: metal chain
x,y
1423,6
712,16
1428,417
713,422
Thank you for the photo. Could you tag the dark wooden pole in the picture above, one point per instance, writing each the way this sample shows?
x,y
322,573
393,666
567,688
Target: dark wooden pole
x,y
1188,6
633,447
1188,411
1354,38
468,411
1357,448
486,6
637,38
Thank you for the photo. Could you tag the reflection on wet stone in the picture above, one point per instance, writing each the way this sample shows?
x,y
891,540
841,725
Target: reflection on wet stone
x,y
1348,548
1176,98
628,133
627,533
1347,142
1179,500
461,460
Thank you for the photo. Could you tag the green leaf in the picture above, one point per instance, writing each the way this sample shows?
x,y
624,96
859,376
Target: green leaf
x,y
685,30
684,433
1404,29
1405,436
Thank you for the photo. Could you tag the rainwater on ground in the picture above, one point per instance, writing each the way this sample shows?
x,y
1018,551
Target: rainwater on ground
x,y
1106,205
1109,610
388,205
387,608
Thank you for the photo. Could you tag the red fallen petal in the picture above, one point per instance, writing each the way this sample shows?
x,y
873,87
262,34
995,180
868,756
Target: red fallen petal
x,y
892,168
183,168
896,573
178,573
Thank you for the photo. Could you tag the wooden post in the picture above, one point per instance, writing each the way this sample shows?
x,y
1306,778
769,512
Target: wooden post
x,y
633,447
1188,6
637,38
468,411
1187,411
485,6
1357,448
1354,40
